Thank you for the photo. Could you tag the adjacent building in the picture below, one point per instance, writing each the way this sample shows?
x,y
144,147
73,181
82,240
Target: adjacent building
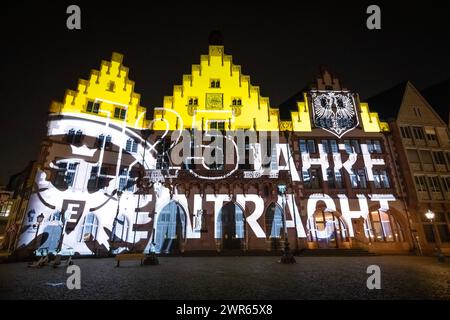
x,y
422,147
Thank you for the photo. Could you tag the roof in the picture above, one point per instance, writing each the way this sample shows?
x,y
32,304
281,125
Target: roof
x,y
387,103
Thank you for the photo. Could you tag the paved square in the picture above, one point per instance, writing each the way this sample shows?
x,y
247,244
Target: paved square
x,y
402,277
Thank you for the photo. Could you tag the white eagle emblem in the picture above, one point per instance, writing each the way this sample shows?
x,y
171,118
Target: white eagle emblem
x,y
334,112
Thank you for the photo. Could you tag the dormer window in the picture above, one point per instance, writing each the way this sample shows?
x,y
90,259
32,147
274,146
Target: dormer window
x,y
215,83
237,101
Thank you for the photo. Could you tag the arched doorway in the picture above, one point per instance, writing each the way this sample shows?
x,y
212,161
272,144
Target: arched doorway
x,y
52,234
170,229
327,229
232,220
381,226
274,226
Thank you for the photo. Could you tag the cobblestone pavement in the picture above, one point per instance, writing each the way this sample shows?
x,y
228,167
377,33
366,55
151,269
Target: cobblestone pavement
x,y
402,277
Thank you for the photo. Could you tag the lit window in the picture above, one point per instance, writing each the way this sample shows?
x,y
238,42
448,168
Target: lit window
x,y
89,228
65,174
431,134
131,146
74,137
374,146
352,146
215,83
329,146
126,183
358,179
307,146
274,221
381,179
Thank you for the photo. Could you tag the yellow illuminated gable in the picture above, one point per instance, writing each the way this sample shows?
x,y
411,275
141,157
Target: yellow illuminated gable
x,y
371,121
108,93
216,95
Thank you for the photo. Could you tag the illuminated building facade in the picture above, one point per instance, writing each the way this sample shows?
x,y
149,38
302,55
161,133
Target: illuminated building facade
x,y
216,168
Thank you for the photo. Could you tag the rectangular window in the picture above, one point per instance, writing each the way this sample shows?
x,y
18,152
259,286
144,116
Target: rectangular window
x,y
430,134
381,179
434,184
444,233
131,146
120,113
74,137
358,179
429,232
65,174
92,106
103,142
126,183
97,180
330,146
311,179
446,183
439,157
421,184
307,146
374,146
236,101
405,132
418,133
352,146
193,101
334,178
217,125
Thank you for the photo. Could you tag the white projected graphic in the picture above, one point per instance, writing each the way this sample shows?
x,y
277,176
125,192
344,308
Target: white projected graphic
x,y
334,112
87,210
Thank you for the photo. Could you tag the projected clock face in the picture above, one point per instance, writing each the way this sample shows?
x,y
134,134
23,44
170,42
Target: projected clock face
x,y
214,101
334,112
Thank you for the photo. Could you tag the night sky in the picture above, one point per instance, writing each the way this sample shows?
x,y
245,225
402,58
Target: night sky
x,y
280,45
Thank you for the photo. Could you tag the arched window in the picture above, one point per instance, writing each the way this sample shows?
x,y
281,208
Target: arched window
x,y
381,226
89,228
274,221
170,228
326,226
121,226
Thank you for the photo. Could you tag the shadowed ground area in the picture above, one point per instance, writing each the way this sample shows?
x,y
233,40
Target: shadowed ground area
x,y
402,277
